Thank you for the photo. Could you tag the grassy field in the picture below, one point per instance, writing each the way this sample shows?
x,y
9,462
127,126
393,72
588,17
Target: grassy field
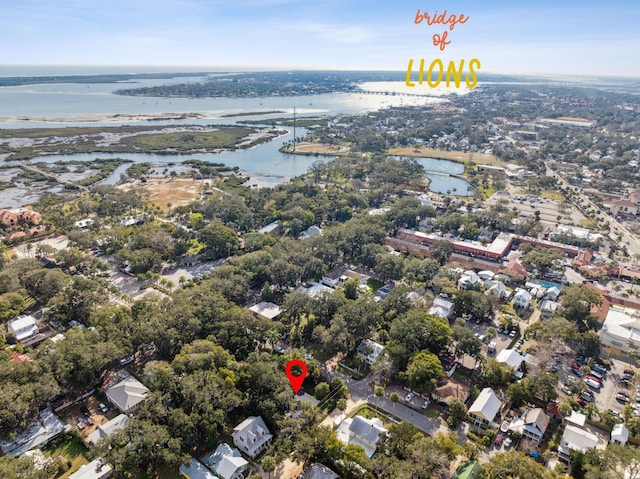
x,y
552,195
188,141
460,156
72,449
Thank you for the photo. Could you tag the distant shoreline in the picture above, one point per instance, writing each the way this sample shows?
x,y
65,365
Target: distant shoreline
x,y
253,113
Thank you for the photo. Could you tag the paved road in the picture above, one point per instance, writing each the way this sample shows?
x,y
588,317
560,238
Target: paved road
x,y
629,239
55,177
361,392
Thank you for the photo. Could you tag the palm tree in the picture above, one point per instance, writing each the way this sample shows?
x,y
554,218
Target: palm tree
x,y
268,465
591,410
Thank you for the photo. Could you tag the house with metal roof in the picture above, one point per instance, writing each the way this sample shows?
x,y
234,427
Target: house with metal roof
x,y
576,439
531,425
97,469
119,422
252,436
195,470
362,432
226,462
486,406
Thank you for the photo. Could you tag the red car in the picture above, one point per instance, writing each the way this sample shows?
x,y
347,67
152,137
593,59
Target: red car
x,y
498,440
591,376
582,402
629,372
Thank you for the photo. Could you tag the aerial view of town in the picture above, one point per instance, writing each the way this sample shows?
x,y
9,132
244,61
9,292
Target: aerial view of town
x,y
317,273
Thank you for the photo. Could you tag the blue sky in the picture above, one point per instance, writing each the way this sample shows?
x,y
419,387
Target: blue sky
x,y
564,37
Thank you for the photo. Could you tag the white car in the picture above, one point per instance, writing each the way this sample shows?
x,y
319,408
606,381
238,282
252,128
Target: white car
x,y
409,397
425,404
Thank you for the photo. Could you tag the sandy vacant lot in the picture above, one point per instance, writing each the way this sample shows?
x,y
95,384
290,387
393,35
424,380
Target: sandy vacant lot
x,y
164,191
320,148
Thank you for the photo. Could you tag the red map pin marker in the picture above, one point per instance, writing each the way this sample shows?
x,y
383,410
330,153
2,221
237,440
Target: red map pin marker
x,y
296,381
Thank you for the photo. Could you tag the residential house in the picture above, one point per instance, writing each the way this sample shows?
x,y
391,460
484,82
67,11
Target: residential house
x,y
619,434
12,218
105,430
486,406
273,229
576,439
548,308
8,219
342,274
311,232
521,298
512,358
441,307
23,328
318,471
43,429
552,293
532,425
266,310
468,280
362,432
127,395
486,275
96,469
252,436
195,470
451,389
226,462
370,350
314,290
85,223
497,289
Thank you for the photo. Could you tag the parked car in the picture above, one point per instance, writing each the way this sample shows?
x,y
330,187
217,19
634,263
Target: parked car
x,y
587,397
409,397
615,413
627,377
127,360
601,369
85,410
566,390
630,372
507,443
622,398
577,372
592,384
513,334
103,408
582,402
425,404
499,440
593,378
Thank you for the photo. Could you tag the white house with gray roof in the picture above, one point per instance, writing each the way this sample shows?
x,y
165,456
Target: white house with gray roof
x,y
252,436
119,422
226,462
362,432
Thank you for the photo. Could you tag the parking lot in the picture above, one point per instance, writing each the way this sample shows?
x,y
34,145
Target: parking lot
x,y
605,398
527,204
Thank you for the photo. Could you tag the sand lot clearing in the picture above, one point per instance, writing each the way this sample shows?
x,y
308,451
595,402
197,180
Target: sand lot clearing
x,y
479,158
320,148
164,191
